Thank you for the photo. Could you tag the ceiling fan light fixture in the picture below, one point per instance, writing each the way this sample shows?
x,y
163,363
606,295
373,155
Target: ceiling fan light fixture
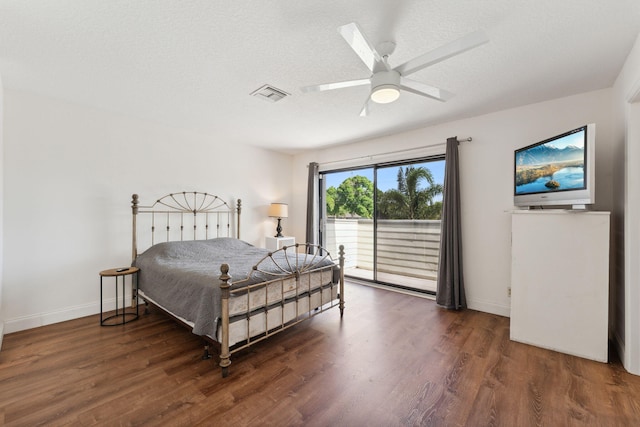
x,y
385,86
384,94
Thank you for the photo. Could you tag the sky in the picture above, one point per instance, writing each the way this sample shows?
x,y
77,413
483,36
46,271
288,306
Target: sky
x,y
575,139
387,177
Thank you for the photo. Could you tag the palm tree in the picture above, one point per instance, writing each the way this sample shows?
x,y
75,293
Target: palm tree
x,y
410,200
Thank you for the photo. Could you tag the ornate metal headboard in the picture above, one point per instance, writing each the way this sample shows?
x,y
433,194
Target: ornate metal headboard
x,y
207,215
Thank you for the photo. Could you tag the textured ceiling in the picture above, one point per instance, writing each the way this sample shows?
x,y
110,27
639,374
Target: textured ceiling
x,y
193,64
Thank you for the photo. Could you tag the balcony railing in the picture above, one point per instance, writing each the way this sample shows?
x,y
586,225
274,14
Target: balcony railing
x,y
408,248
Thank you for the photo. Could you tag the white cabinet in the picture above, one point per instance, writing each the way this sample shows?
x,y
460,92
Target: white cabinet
x,y
560,281
275,243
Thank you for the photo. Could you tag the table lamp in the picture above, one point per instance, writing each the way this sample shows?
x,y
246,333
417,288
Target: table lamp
x,y
279,210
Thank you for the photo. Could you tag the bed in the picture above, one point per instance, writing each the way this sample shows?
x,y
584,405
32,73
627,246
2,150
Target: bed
x,y
195,268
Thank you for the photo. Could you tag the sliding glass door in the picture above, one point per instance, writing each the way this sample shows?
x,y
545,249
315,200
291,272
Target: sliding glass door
x,y
388,218
347,218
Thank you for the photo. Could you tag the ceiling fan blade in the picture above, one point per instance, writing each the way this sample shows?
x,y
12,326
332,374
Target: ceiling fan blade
x,y
425,90
366,108
359,43
456,47
336,85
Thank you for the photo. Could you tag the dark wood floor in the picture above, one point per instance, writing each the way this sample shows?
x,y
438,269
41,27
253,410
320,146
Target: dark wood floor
x,y
393,360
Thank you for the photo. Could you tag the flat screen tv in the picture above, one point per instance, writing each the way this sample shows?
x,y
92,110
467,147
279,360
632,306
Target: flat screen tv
x,y
557,171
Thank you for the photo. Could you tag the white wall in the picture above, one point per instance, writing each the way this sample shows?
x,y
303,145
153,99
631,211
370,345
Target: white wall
x,y
1,208
69,172
486,177
626,107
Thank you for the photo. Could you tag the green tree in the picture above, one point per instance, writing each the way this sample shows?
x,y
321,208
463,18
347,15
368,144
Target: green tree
x,y
433,211
401,181
411,200
354,196
330,196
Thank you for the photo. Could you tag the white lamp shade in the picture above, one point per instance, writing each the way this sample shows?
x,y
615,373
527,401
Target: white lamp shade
x,y
279,210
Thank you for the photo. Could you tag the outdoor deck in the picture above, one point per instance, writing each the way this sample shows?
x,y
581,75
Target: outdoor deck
x,y
393,279
407,250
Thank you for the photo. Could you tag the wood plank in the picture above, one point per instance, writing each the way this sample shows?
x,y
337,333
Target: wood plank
x,y
393,359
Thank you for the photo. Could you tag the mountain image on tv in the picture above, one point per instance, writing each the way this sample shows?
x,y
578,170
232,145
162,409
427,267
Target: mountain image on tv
x,y
552,166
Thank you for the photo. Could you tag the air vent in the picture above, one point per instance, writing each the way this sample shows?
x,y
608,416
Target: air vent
x,y
269,93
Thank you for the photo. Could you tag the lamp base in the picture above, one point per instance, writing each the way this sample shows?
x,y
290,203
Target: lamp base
x,y
279,229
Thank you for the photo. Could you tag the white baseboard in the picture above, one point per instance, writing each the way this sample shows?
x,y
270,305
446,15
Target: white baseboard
x,y
75,312
42,319
474,304
489,307
1,333
624,357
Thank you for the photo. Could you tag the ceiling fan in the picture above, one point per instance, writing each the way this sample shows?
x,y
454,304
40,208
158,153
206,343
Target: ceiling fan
x,y
386,82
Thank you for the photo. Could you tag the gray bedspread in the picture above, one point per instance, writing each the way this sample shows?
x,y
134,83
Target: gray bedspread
x,y
183,277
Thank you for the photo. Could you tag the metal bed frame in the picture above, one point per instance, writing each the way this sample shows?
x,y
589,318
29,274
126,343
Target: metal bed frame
x,y
209,216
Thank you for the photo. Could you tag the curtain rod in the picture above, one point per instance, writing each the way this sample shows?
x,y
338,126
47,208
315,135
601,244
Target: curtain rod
x,y
391,152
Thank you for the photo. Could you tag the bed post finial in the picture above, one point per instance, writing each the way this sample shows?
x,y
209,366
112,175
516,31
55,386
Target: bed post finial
x,y
239,210
134,243
224,345
134,203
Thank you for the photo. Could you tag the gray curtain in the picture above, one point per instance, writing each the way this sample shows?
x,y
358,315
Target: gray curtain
x,y
312,203
450,285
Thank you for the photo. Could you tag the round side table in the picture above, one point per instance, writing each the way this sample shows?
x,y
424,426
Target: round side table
x,y
121,315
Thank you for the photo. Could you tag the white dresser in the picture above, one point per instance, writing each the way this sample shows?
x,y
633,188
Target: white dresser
x,y
560,281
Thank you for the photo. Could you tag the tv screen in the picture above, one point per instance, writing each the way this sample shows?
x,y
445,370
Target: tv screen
x,y
556,171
